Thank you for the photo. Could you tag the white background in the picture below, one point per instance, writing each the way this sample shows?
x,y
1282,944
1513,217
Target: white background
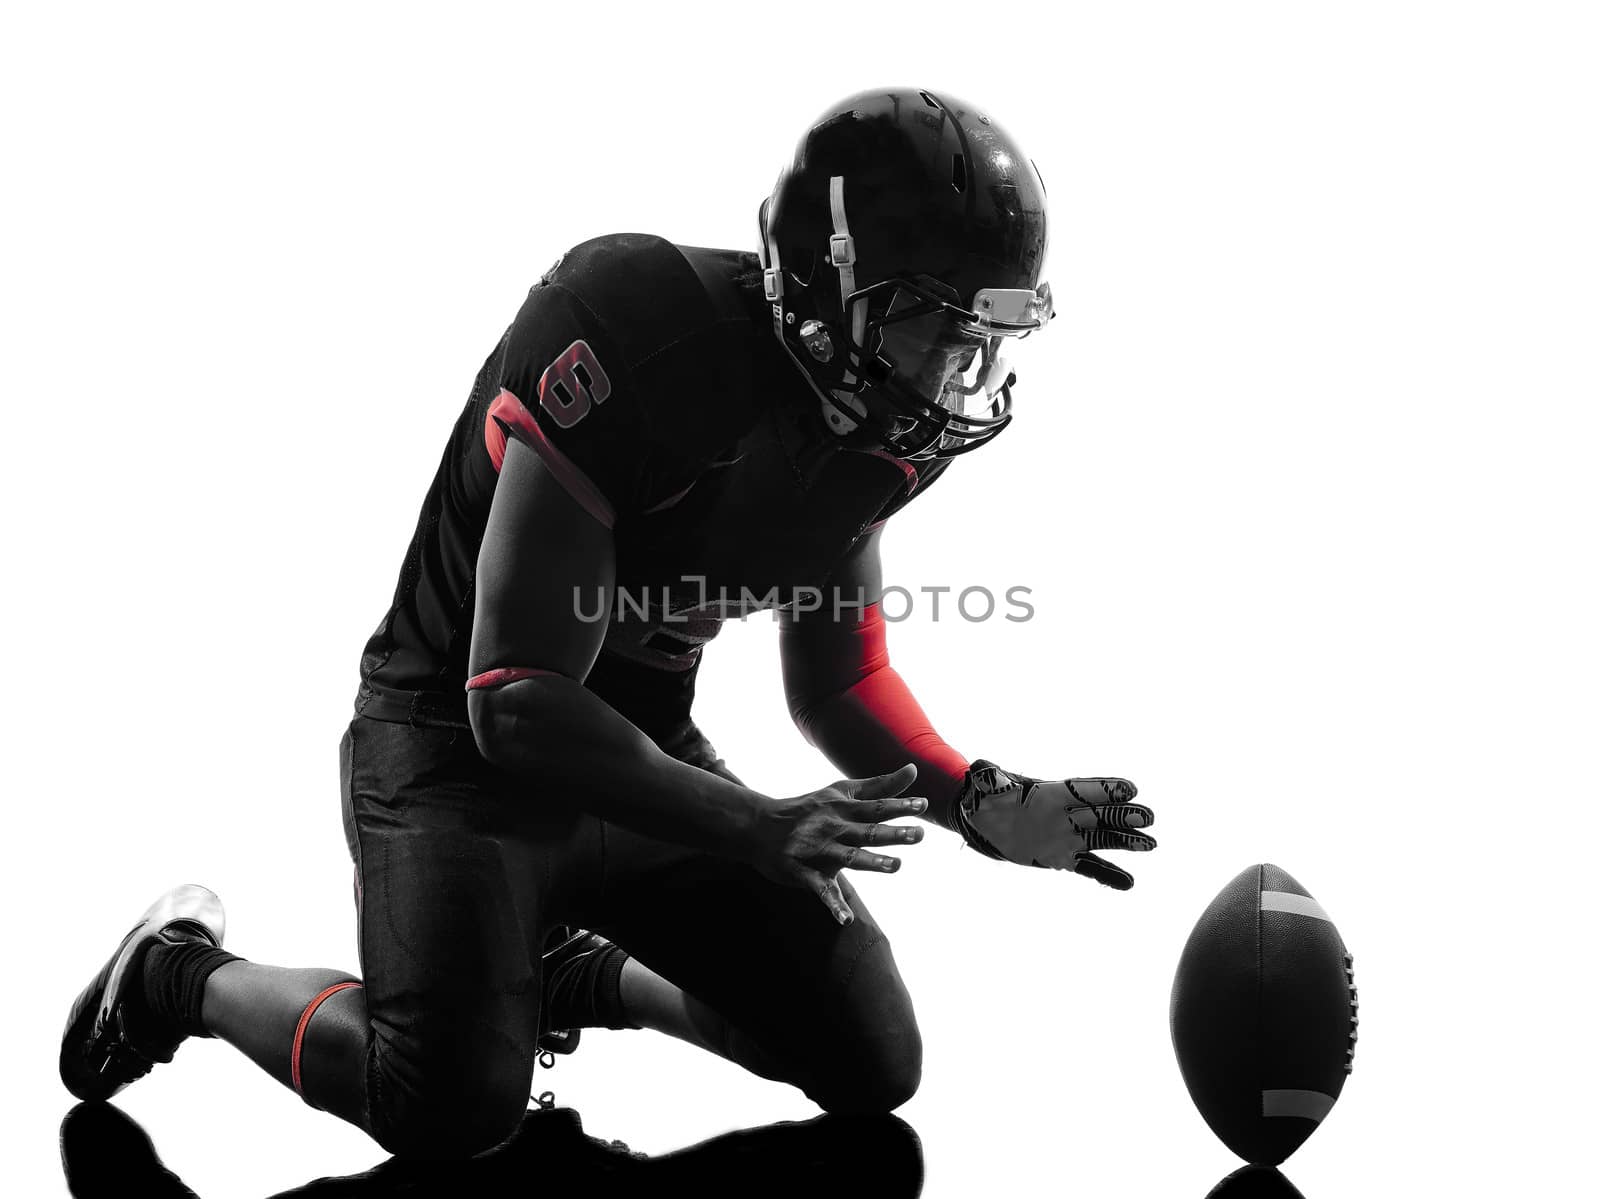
x,y
1302,477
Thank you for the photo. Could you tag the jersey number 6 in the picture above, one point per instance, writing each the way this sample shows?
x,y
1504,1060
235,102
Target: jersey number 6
x,y
572,384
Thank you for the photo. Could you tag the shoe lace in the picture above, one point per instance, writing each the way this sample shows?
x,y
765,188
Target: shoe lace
x,y
116,1042
116,1056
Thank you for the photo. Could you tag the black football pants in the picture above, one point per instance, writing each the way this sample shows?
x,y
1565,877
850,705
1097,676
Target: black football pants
x,y
462,870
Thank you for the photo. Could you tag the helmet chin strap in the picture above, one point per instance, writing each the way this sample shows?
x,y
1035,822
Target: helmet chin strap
x,y
772,287
843,411
842,257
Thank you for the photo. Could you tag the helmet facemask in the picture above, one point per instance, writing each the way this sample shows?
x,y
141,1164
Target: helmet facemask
x,y
935,377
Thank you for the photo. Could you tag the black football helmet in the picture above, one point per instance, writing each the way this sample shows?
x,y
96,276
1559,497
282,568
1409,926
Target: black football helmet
x,y
902,247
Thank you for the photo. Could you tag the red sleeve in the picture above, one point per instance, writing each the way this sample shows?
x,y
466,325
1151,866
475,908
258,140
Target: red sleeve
x,y
852,705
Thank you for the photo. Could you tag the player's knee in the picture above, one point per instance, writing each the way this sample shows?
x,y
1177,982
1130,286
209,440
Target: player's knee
x,y
884,1074
449,1125
447,1102
899,1070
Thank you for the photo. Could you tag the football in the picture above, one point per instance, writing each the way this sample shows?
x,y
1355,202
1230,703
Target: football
x,y
1264,1014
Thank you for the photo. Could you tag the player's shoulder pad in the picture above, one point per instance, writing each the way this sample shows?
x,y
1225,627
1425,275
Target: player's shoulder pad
x,y
635,357
644,291
674,318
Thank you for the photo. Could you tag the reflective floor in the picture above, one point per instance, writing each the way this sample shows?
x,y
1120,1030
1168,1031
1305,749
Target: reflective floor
x,y
105,1152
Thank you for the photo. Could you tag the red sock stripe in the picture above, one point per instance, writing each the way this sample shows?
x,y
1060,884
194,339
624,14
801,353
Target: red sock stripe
x,y
300,1031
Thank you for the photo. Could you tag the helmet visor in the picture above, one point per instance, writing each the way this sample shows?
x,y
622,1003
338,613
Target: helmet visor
x,y
946,362
939,366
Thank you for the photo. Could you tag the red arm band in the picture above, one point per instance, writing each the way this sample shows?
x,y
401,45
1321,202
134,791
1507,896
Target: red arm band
x,y
502,675
852,705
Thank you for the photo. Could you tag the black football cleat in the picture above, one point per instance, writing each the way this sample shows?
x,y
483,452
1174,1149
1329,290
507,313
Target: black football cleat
x,y
111,1038
570,943
570,946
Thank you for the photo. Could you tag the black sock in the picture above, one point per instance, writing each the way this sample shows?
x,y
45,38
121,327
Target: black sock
x,y
175,981
585,991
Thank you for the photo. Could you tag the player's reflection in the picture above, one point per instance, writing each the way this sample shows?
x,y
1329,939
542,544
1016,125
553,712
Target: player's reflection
x,y
105,1153
1255,1182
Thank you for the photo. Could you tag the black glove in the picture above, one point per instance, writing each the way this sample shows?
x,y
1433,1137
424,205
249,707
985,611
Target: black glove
x,y
1054,825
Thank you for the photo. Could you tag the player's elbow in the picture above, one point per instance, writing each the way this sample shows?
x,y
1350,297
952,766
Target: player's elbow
x,y
826,662
819,705
799,709
806,709
809,689
490,725
510,723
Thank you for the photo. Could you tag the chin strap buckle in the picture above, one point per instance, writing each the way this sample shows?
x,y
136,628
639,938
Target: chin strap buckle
x,y
841,249
772,284
842,412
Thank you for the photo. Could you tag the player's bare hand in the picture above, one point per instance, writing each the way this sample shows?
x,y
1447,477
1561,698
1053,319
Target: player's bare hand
x,y
1054,824
804,841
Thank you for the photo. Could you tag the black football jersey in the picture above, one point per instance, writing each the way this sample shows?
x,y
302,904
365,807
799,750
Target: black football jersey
x,y
648,376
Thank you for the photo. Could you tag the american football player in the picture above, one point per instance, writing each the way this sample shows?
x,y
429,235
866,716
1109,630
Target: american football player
x,y
665,437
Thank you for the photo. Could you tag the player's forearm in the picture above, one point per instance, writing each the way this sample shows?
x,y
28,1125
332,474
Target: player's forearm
x,y
876,726
573,747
